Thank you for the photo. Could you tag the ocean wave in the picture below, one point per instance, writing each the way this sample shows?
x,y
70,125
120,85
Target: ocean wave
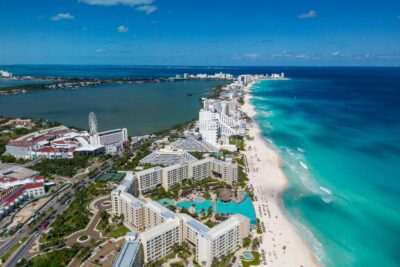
x,y
316,246
262,98
296,163
304,165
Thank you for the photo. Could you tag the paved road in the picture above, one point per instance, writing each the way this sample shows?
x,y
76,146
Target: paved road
x,y
23,251
14,239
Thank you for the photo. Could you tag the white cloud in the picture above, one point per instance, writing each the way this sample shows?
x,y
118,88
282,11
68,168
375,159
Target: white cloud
x,y
148,9
308,15
98,50
335,53
253,56
145,6
62,16
117,2
122,28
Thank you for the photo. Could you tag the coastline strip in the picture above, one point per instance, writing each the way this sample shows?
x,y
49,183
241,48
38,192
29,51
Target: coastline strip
x,y
282,243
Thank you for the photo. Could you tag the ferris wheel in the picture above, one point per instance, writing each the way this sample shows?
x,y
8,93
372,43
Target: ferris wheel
x,y
93,126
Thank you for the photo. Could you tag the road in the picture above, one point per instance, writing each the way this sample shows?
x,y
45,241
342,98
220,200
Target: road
x,y
53,204
56,206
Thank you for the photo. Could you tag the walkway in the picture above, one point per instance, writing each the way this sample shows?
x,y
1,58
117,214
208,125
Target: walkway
x,y
90,230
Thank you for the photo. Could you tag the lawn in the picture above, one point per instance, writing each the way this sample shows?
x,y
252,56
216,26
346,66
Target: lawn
x,y
118,232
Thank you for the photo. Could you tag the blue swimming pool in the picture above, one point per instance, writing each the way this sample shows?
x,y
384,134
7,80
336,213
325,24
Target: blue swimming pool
x,y
200,207
244,207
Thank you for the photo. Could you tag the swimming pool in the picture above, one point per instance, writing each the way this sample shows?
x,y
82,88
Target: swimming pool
x,y
200,206
167,202
245,207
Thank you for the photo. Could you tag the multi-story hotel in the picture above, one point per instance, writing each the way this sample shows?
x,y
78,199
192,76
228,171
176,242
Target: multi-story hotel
x,y
161,228
152,178
149,179
218,120
175,174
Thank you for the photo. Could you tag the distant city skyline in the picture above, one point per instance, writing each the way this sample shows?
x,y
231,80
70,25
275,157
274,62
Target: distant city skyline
x,y
219,33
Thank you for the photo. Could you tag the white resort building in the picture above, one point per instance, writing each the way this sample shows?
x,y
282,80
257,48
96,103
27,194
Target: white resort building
x,y
159,228
152,178
218,120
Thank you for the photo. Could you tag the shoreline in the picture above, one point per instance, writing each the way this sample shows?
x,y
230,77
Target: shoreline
x,y
282,242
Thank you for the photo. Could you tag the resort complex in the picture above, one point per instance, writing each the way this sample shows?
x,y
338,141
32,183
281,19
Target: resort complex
x,y
63,142
181,197
160,228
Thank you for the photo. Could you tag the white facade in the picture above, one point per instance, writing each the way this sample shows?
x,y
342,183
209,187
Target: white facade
x,y
149,179
113,140
166,177
220,119
161,228
175,174
158,241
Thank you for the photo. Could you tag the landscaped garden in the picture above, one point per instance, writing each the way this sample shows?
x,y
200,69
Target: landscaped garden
x,y
250,259
76,217
55,258
111,227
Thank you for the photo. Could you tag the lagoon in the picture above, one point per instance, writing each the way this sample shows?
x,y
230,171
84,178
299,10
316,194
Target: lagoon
x,y
141,108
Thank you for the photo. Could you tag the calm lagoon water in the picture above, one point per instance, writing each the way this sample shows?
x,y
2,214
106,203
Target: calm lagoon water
x,y
9,82
142,108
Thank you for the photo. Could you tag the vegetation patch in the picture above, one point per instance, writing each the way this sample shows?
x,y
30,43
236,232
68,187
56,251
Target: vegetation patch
x,y
114,230
83,237
77,216
55,258
254,262
238,141
63,167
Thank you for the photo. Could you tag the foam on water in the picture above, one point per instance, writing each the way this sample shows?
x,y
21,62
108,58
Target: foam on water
x,y
300,169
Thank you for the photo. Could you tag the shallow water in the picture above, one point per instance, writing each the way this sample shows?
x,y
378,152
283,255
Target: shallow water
x,y
339,136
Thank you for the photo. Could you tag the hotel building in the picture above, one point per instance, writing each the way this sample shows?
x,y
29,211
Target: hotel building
x,y
112,140
161,228
166,177
218,120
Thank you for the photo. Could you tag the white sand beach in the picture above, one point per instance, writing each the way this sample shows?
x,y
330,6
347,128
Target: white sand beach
x,y
282,244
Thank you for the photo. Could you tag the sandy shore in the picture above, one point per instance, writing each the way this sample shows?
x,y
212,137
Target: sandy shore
x,y
282,244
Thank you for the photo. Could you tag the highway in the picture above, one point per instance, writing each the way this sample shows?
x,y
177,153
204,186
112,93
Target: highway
x,y
24,230
53,204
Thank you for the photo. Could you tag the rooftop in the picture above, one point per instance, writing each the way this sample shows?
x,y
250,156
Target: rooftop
x,y
192,144
128,254
167,157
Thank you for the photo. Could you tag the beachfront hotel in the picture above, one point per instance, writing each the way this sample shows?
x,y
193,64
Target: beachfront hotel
x,y
166,177
218,120
160,229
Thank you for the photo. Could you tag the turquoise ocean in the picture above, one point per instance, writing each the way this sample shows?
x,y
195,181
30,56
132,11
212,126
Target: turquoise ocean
x,y
338,134
337,130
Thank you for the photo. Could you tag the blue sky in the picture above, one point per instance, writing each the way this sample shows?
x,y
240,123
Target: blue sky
x,y
208,32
